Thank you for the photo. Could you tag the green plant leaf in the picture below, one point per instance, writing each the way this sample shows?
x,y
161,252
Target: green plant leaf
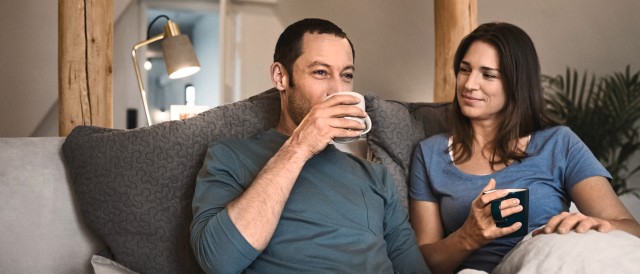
x,y
604,112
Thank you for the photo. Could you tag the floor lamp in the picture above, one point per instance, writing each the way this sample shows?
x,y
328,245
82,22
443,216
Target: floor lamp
x,y
179,56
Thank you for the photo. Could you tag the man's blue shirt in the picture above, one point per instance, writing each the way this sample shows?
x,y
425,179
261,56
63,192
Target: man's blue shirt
x,y
342,216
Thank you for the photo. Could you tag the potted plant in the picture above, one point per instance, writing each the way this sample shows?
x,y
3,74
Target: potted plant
x,y
605,113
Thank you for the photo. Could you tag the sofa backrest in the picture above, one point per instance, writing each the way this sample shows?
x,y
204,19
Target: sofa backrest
x,y
397,128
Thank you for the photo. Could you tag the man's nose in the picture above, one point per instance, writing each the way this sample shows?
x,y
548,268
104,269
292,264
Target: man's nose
x,y
338,84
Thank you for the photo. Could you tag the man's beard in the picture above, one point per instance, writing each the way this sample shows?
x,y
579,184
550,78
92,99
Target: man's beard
x,y
299,106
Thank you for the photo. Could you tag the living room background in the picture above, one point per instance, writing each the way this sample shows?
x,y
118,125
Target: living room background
x,y
393,40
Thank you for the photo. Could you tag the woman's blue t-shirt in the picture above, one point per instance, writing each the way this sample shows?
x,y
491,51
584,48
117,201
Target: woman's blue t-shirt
x,y
557,161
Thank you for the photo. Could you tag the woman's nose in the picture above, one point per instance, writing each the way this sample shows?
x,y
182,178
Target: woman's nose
x,y
471,82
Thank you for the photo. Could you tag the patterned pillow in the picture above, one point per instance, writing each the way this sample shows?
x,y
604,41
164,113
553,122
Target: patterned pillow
x,y
134,187
397,128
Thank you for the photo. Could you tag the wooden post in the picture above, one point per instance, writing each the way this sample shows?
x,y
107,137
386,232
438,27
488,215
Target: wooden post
x,y
85,49
454,20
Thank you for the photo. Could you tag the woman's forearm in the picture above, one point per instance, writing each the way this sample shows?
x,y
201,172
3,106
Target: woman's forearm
x,y
445,255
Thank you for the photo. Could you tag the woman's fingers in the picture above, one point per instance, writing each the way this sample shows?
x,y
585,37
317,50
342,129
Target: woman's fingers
x,y
554,222
604,226
578,222
503,231
485,197
491,185
569,222
510,206
585,225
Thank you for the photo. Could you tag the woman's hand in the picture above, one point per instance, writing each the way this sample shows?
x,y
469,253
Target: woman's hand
x,y
565,222
480,229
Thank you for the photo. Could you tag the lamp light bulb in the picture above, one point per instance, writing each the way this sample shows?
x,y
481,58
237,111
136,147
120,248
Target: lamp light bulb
x,y
147,65
190,95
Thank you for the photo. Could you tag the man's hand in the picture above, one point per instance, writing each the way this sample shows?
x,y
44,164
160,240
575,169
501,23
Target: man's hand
x,y
325,121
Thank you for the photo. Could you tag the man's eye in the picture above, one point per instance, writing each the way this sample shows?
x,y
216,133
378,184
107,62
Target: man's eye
x,y
348,75
320,72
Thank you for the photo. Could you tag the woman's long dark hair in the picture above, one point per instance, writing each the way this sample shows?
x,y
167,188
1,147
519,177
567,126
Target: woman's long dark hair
x,y
524,111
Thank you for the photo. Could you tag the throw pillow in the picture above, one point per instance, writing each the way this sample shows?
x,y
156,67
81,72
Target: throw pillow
x,y
102,265
134,187
397,128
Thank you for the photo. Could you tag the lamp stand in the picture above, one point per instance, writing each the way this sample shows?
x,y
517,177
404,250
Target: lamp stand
x,y
143,93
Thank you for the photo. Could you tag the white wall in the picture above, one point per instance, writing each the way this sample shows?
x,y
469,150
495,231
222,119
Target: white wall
x,y
29,58
256,28
599,36
393,41
127,32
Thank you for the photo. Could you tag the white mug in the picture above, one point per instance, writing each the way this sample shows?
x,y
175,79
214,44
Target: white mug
x,y
366,121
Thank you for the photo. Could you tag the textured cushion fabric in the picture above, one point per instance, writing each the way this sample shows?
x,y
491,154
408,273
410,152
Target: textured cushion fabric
x,y
590,252
397,128
134,187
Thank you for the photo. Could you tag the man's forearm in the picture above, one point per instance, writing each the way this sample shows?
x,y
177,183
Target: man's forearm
x,y
257,211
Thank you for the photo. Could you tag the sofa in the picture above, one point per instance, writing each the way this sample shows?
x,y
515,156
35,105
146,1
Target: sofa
x,y
119,201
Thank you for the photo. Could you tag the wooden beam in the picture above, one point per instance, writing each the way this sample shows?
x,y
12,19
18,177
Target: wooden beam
x,y
85,49
454,20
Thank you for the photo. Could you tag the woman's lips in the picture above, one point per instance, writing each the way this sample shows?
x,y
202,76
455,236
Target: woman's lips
x,y
471,99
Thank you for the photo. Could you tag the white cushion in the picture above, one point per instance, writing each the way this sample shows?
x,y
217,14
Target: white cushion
x,y
102,265
590,252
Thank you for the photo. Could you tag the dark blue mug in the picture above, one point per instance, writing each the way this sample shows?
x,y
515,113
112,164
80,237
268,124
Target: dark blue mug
x,y
521,194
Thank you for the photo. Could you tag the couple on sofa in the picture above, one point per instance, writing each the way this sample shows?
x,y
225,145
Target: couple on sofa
x,y
286,201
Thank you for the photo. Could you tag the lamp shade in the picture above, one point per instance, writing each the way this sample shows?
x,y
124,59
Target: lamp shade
x,y
179,56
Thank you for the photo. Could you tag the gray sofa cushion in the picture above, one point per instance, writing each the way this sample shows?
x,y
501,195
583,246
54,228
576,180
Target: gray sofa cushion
x,y
397,128
134,187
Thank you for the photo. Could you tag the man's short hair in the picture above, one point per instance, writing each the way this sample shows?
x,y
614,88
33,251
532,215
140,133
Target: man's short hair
x,y
289,45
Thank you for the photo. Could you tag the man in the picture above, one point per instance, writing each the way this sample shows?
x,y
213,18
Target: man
x,y
286,201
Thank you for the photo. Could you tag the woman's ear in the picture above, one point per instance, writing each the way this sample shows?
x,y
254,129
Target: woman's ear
x,y
279,76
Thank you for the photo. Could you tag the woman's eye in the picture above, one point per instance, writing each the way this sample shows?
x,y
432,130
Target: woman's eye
x,y
489,76
348,76
464,70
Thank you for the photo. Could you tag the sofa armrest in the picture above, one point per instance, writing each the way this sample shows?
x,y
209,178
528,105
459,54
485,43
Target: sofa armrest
x,y
42,230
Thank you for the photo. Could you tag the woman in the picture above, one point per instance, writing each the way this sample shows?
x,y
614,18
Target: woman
x,y
502,138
